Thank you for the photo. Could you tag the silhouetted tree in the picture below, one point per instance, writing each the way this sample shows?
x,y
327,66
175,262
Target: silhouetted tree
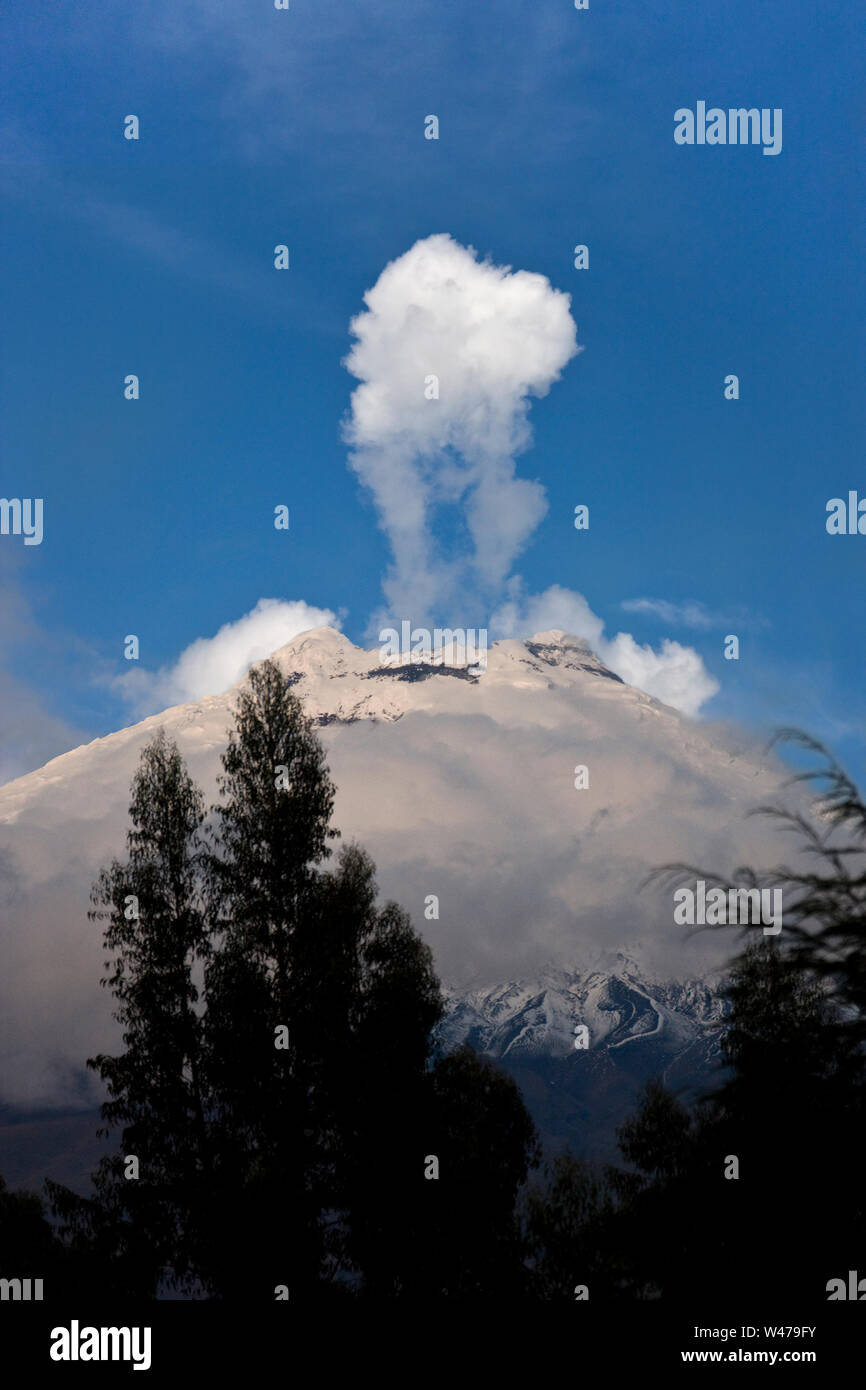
x,y
29,1247
150,1224
824,895
571,1233
280,1083
323,1143
265,895
463,1224
792,1104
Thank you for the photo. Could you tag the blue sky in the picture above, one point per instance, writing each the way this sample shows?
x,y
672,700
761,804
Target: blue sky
x,y
306,127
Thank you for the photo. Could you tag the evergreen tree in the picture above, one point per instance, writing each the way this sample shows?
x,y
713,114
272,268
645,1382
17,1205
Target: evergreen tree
x,y
791,1106
825,905
322,1143
265,893
487,1144
281,1121
668,1199
30,1248
824,894
570,1227
149,1225
380,1077
789,1111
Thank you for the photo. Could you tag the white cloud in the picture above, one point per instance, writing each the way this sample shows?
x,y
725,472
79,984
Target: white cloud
x,y
493,338
674,674
694,614
211,665
525,614
689,614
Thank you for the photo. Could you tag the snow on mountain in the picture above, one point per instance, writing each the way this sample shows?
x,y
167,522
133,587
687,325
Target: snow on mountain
x,y
637,1027
618,1007
462,787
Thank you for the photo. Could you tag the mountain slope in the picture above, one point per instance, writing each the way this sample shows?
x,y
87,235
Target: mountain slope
x,y
463,789
638,1028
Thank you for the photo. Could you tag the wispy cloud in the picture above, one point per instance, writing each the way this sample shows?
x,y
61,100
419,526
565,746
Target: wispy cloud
x,y
692,613
337,67
28,175
689,614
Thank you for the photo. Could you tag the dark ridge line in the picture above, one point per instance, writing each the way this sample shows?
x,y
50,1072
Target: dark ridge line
x,y
538,650
421,671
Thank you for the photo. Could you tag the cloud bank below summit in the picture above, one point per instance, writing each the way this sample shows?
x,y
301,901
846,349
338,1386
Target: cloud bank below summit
x,y
465,790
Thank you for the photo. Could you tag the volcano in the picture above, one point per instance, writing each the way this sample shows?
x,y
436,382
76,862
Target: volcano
x,y
527,801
